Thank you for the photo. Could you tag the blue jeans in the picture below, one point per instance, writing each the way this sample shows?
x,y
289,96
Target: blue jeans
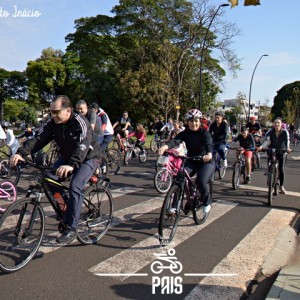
x,y
221,149
79,179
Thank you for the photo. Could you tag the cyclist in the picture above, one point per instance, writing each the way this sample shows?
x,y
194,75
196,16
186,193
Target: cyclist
x,y
11,140
107,132
78,149
257,143
157,126
176,129
29,133
219,132
199,143
124,124
254,126
246,142
167,128
90,114
278,138
140,134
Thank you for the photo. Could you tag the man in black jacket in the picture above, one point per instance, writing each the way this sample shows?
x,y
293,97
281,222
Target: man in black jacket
x,y
79,154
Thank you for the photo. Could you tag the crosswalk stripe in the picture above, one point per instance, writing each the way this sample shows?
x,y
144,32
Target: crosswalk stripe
x,y
254,188
131,212
131,260
243,260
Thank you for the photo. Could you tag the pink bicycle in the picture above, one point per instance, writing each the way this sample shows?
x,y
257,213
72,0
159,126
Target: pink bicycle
x,y
8,195
164,177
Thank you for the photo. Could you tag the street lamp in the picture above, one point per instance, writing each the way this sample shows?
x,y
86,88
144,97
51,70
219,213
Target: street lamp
x,y
202,50
251,84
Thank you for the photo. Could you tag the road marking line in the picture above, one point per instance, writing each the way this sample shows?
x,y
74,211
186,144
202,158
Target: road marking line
x,y
141,254
244,259
254,188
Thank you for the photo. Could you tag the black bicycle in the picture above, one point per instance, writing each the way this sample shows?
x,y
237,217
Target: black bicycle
x,y
111,162
219,164
273,174
183,196
239,169
22,225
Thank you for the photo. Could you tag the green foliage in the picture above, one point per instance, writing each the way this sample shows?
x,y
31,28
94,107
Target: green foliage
x,y
46,77
28,115
287,98
12,109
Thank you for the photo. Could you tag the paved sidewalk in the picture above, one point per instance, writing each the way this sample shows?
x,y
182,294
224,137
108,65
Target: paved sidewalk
x,y
287,284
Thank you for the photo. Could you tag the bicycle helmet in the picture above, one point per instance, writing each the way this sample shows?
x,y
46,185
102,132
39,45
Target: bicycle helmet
x,y
193,114
252,118
256,134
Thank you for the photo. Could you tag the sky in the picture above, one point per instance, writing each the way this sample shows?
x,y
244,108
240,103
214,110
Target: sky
x,y
271,28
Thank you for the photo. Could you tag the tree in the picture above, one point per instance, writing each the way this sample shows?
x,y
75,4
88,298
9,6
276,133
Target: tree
x,y
29,115
148,53
288,93
46,77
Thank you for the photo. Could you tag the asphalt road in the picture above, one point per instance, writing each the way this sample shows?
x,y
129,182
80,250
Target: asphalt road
x,y
221,258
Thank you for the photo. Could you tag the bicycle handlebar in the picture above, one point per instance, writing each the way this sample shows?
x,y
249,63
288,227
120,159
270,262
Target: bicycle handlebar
x,y
195,158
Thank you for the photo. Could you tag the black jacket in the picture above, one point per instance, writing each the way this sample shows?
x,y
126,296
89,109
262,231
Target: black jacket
x,y
198,143
219,133
76,140
280,142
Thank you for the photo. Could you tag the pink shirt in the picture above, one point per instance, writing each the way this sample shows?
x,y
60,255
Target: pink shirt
x,y
139,135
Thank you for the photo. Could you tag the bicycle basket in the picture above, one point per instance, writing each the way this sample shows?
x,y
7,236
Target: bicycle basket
x,y
163,160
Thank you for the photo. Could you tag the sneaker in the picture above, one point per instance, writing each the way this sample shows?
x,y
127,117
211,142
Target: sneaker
x,y
248,179
207,208
172,211
282,189
225,163
67,237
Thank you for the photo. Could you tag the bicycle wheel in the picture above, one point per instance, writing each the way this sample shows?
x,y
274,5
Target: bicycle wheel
x,y
163,180
168,219
271,182
143,157
21,233
115,144
96,215
5,200
8,173
114,161
255,161
222,170
236,175
153,145
128,156
199,215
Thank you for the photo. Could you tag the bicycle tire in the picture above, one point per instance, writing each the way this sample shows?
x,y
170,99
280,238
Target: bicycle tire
x,y
96,214
114,161
153,145
236,175
9,188
243,171
222,172
168,221
199,215
115,144
9,174
18,248
163,180
143,158
270,181
128,157
256,162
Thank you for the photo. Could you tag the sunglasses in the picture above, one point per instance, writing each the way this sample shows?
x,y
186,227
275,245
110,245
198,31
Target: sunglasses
x,y
56,112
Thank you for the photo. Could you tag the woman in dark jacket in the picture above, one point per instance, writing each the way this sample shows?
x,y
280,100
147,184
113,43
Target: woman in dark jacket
x,y
198,143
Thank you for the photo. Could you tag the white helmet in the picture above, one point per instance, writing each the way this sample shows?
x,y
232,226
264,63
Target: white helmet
x,y
193,114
